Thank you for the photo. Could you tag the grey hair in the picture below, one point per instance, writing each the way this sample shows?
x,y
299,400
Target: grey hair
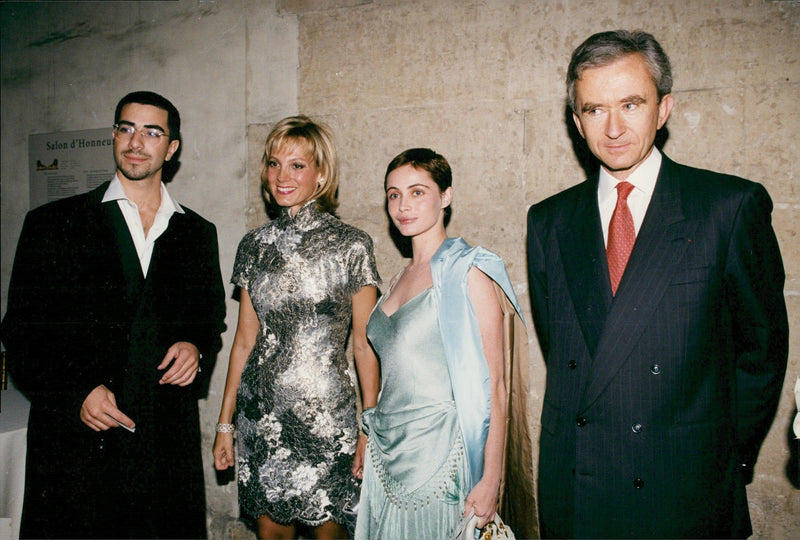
x,y
604,48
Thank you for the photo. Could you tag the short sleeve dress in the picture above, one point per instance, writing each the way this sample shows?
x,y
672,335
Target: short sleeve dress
x,y
296,403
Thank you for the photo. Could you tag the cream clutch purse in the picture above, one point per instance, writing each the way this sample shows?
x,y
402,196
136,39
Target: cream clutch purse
x,y
494,530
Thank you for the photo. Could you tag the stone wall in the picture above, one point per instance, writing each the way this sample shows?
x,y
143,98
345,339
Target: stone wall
x,y
482,82
479,81
225,65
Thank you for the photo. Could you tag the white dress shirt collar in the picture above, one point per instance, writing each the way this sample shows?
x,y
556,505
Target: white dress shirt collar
x,y
144,244
116,192
644,183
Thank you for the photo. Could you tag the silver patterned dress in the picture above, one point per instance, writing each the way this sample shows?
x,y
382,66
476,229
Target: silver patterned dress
x,y
296,410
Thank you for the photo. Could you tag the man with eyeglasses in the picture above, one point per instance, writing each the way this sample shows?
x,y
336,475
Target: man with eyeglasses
x,y
115,310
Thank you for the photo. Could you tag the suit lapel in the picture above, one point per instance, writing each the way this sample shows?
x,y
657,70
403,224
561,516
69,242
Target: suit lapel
x,y
585,267
168,242
657,254
126,250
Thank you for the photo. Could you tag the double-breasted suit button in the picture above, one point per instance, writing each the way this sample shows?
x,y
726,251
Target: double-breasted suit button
x,y
638,483
655,369
581,421
572,364
636,428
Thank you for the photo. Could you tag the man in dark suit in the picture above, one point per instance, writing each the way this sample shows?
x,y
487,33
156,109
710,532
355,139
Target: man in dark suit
x,y
661,317
115,306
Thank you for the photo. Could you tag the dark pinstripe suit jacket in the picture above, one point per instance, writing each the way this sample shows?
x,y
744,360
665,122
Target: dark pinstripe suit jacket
x,y
658,399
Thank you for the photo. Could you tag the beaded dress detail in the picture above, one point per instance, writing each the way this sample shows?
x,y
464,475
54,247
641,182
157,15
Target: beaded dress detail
x,y
415,471
296,404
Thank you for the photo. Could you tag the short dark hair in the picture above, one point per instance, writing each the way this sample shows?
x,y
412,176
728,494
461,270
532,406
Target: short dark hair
x,y
604,48
144,97
425,159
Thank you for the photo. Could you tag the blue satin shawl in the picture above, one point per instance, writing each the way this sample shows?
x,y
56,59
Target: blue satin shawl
x,y
469,372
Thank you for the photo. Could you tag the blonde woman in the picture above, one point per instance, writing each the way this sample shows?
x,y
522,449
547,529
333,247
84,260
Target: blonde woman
x,y
304,278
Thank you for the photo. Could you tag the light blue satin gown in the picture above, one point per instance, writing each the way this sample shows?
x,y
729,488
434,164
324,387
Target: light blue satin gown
x,y
415,479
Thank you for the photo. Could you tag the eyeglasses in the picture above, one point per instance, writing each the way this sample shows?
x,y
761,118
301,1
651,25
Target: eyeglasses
x,y
125,131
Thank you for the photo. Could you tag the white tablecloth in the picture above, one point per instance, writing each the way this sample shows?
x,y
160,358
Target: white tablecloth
x,y
13,443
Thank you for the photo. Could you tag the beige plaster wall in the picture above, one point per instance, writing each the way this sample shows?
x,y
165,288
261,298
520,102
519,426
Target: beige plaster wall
x,y
482,83
225,65
479,81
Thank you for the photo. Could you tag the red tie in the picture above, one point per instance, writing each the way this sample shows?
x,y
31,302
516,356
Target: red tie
x,y
621,236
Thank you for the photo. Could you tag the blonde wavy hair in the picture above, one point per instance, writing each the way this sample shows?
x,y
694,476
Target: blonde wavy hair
x,y
317,141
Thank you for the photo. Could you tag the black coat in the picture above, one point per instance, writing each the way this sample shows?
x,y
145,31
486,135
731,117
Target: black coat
x,y
658,399
81,314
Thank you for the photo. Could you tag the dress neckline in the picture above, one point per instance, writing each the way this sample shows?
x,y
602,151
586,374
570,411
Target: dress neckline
x,y
403,305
